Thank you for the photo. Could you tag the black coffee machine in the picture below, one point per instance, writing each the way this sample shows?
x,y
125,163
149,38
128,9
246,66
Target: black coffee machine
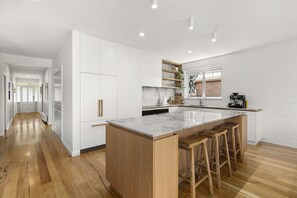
x,y
237,101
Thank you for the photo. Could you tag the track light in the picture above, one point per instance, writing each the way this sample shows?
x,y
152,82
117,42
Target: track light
x,y
191,23
214,37
154,5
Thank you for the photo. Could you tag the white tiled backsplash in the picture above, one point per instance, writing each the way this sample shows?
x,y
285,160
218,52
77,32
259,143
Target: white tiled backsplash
x,y
151,95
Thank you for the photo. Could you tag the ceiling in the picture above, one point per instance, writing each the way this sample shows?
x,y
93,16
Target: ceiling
x,y
25,72
38,27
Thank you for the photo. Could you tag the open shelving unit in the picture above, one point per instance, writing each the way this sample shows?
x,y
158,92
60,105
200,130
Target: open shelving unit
x,y
170,71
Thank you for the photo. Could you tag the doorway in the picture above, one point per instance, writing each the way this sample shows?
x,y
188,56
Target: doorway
x,y
5,102
27,98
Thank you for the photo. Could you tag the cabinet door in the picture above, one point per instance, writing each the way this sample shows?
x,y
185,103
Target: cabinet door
x,y
109,58
89,54
129,82
109,93
91,135
90,94
151,71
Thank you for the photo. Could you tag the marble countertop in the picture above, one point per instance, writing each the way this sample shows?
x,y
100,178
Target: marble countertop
x,y
144,108
162,125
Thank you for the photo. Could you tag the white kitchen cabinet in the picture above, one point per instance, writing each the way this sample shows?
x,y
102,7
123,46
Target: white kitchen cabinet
x,y
90,89
109,95
129,82
254,127
109,58
151,71
96,87
91,134
89,54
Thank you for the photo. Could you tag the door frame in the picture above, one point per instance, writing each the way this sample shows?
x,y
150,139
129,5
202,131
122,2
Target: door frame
x,y
5,102
53,100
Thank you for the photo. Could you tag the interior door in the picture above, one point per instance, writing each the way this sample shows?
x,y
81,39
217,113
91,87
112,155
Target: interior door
x,y
27,99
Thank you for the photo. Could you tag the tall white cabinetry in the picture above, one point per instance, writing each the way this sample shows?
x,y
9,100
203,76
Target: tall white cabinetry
x,y
129,82
98,88
151,71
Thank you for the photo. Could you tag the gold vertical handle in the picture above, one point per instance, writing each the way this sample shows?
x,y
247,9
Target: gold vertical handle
x,y
100,108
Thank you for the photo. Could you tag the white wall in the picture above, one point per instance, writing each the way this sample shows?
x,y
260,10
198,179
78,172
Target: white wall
x,y
68,58
4,69
267,75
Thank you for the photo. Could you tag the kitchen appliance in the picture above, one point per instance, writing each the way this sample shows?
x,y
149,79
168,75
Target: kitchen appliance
x,y
237,101
154,111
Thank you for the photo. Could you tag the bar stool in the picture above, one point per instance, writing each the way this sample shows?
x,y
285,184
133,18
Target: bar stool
x,y
189,145
233,130
215,135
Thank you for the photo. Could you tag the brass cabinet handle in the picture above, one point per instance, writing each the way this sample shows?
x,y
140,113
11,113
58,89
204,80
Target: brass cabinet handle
x,y
100,108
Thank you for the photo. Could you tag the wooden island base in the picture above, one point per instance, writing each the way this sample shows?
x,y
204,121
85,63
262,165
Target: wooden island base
x,y
139,166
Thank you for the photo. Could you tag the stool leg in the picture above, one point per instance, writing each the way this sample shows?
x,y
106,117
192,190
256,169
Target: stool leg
x,y
193,185
234,149
208,169
218,171
227,155
239,144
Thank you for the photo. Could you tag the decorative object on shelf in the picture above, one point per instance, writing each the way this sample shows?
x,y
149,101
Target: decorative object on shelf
x,y
172,75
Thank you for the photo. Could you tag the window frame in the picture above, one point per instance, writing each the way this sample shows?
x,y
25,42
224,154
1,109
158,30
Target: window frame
x,y
203,71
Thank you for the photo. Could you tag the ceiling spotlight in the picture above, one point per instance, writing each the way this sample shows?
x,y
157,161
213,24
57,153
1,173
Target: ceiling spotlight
x,y
154,5
141,34
190,52
191,23
214,37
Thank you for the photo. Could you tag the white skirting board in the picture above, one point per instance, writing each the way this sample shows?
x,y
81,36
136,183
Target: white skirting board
x,y
44,117
72,153
9,123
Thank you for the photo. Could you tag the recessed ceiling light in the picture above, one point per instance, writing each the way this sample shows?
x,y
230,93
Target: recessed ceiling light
x,y
141,34
190,52
191,23
214,37
154,5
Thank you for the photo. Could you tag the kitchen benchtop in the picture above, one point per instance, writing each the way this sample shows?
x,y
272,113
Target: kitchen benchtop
x,y
162,125
146,108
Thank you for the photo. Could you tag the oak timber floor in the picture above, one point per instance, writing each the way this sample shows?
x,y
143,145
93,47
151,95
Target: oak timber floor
x,y
34,163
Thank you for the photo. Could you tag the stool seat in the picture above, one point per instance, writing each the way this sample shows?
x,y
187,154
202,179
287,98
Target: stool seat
x,y
230,126
216,132
192,141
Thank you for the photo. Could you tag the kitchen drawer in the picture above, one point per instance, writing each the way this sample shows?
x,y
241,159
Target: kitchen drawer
x,y
92,135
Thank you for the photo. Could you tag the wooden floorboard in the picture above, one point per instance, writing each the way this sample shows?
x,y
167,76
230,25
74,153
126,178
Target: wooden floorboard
x,y
34,163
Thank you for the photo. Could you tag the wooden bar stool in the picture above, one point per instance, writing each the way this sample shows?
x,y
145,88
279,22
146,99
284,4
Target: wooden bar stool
x,y
233,130
189,145
215,135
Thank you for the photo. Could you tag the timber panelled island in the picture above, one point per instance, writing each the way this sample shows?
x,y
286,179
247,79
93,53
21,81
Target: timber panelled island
x,y
142,155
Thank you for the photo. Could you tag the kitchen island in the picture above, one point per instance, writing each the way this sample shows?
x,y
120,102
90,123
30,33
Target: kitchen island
x,y
142,155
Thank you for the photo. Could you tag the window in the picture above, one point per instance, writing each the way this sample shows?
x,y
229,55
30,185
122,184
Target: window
x,y
205,83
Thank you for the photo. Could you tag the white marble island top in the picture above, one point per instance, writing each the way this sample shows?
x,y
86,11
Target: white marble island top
x,y
162,125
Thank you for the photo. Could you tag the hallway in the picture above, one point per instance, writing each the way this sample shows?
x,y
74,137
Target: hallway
x,y
34,163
